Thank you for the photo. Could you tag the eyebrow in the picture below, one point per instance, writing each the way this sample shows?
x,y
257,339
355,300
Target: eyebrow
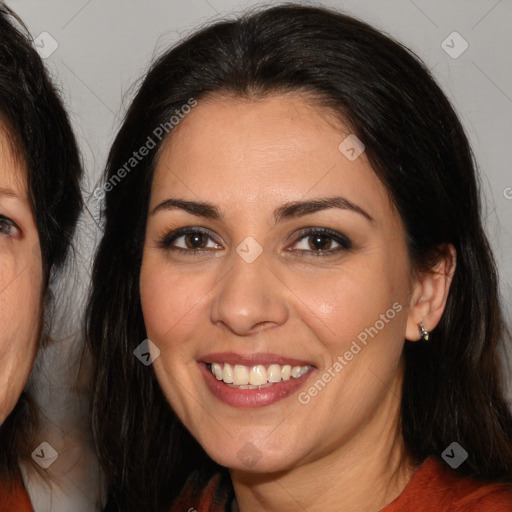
x,y
289,210
8,192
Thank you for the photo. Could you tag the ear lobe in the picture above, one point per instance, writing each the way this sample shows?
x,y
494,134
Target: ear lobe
x,y
430,294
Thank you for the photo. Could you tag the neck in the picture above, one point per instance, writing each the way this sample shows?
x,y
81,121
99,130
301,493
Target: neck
x,y
363,475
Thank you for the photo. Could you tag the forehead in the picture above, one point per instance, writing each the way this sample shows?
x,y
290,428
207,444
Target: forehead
x,y
13,174
281,147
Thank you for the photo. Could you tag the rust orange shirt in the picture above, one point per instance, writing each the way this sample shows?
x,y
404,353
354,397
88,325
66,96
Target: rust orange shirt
x,y
14,499
433,488
436,488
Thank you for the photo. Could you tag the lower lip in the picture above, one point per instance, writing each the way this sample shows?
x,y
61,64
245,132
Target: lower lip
x,y
251,398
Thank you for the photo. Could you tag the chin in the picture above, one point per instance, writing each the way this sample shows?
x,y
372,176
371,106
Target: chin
x,y
252,456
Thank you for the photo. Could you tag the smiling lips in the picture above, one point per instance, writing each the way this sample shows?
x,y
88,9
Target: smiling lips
x,y
252,377
253,380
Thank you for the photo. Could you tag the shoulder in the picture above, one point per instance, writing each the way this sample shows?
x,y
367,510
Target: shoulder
x,y
436,487
14,497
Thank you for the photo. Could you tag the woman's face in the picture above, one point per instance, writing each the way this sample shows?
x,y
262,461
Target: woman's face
x,y
273,257
20,280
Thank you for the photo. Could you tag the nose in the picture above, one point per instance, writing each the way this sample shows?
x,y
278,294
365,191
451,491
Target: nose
x,y
249,298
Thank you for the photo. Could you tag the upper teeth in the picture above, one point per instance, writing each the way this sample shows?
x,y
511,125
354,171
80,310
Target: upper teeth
x,y
257,375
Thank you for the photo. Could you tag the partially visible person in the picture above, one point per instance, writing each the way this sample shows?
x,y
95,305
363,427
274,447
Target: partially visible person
x,y
40,202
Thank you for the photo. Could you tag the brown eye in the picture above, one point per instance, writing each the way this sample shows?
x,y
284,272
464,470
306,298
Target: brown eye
x,y
320,242
196,240
189,240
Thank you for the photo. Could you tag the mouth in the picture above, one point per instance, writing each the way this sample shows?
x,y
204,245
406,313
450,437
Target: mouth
x,y
257,376
255,380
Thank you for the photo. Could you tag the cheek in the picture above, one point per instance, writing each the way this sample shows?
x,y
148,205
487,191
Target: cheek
x,y
342,303
173,306
357,318
20,319
171,302
357,315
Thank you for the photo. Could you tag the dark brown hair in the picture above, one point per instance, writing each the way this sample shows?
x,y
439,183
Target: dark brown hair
x,y
417,147
41,138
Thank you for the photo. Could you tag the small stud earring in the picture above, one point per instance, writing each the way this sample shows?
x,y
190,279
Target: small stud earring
x,y
423,332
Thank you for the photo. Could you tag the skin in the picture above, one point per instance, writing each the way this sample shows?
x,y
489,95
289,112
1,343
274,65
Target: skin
x,y
20,280
248,158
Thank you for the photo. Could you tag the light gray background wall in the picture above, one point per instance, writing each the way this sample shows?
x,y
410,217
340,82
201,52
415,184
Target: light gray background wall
x,y
102,46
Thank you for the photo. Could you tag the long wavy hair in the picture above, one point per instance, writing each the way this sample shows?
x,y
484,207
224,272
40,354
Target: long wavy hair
x,y
39,132
453,385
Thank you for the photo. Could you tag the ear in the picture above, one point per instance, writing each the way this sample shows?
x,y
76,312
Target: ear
x,y
429,294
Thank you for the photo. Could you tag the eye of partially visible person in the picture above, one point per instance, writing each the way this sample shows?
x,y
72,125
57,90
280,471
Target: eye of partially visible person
x,y
8,227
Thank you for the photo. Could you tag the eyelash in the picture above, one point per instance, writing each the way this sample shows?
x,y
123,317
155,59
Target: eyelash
x,y
7,224
344,243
